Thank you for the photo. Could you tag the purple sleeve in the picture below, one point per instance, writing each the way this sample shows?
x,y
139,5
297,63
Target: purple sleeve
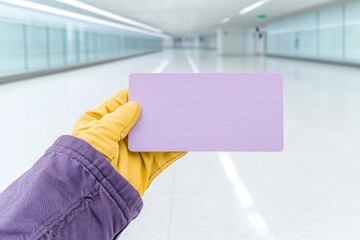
x,y
72,192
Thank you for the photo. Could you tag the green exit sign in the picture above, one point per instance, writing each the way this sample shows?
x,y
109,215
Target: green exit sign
x,y
261,16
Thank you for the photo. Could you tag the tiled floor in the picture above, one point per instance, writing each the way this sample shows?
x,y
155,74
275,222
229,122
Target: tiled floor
x,y
309,191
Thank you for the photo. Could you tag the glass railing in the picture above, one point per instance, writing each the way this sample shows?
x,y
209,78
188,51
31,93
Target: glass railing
x,y
32,41
331,34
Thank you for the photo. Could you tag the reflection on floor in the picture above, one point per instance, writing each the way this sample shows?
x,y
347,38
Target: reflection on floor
x,y
309,191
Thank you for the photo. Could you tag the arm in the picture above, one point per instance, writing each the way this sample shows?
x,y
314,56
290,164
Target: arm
x,y
72,192
86,186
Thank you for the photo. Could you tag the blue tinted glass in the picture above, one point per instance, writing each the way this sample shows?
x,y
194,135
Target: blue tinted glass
x,y
93,52
36,39
12,54
331,33
83,47
72,55
307,35
57,47
101,46
27,45
352,31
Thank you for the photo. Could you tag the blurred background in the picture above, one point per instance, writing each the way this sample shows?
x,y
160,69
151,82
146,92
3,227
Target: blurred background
x,y
59,58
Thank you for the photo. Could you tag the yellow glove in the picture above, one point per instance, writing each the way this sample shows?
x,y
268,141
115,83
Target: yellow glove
x,y
106,127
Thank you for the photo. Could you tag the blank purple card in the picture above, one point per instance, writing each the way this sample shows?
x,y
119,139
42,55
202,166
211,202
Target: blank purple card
x,y
207,112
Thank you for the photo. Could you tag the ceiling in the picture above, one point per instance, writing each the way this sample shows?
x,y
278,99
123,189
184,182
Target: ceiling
x,y
186,17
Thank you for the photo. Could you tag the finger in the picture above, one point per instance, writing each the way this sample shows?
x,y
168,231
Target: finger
x,y
108,106
118,123
163,160
89,118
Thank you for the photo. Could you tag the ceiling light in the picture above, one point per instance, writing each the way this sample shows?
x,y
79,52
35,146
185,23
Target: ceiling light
x,y
81,17
253,7
107,14
225,20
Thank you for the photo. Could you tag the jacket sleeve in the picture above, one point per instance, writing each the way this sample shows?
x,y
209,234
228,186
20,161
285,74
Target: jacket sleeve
x,y
72,192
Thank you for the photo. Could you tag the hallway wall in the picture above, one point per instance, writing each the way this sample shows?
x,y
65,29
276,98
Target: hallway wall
x,y
33,41
331,34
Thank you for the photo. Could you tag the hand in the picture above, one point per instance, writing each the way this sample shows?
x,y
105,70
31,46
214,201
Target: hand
x,y
106,127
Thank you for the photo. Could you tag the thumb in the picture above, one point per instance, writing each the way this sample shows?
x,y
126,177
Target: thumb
x,y
119,122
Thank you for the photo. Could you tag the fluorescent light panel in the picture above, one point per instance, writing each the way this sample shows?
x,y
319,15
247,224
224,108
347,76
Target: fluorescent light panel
x,y
68,14
107,14
253,7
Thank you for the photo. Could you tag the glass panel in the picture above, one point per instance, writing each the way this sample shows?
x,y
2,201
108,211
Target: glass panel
x,y
101,46
111,47
32,47
57,47
119,46
312,35
122,45
282,37
12,54
352,31
72,56
271,43
287,36
83,47
306,38
36,38
136,45
129,45
331,33
93,47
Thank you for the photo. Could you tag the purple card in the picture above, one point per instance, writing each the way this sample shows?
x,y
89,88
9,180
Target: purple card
x,y
207,112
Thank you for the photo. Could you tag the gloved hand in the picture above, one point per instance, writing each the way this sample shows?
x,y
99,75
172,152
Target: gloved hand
x,y
106,127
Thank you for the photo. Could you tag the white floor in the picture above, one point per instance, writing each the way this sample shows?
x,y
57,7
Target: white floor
x,y
309,191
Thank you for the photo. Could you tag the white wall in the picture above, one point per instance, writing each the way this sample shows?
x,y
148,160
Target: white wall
x,y
250,41
230,41
208,41
255,41
168,43
327,34
227,41
189,42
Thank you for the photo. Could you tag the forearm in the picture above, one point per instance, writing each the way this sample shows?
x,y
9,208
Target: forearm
x,y
72,192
